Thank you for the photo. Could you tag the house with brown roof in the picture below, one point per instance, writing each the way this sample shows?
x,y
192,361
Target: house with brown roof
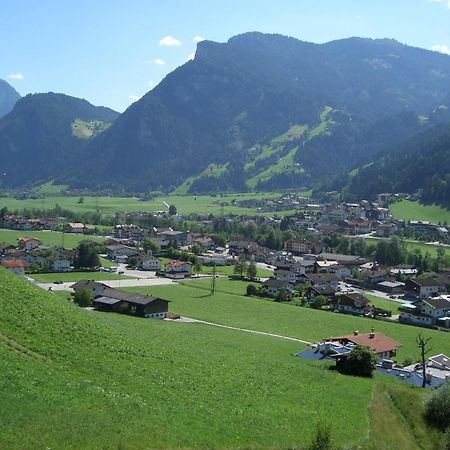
x,y
15,266
351,303
178,269
28,243
423,288
382,345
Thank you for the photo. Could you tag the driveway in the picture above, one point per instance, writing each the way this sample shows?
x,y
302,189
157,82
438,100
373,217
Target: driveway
x,y
111,283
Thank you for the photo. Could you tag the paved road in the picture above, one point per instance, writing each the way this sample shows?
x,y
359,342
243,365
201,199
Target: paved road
x,y
111,283
245,330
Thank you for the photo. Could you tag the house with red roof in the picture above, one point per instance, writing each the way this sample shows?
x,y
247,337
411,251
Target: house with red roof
x,y
15,266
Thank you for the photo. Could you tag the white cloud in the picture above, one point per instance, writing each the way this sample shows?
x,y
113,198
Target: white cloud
x,y
158,62
16,76
133,98
198,38
191,56
441,49
169,41
447,2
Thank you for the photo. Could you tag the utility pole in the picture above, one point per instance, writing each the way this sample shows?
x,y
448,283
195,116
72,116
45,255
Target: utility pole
x,y
213,281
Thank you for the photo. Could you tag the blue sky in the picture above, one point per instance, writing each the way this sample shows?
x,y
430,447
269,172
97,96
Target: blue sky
x,y
113,51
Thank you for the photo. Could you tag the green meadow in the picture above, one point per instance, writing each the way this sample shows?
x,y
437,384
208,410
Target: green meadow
x,y
66,240
202,204
408,210
192,299
86,380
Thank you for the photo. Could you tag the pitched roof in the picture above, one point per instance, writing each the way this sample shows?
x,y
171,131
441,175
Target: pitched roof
x,y
426,282
438,302
318,277
129,297
87,284
378,342
13,263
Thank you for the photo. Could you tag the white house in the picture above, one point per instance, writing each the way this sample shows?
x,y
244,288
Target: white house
x,y
178,269
60,265
151,263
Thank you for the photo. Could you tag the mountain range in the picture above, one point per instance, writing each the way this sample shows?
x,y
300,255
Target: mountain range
x,y
259,112
8,98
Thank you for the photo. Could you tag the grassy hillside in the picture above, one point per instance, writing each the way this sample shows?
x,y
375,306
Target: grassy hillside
x,y
408,210
192,300
77,379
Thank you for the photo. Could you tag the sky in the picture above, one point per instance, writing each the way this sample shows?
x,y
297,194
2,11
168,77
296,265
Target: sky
x,y
111,52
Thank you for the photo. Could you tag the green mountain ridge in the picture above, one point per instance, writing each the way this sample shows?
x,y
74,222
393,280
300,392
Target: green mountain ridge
x,y
212,124
8,98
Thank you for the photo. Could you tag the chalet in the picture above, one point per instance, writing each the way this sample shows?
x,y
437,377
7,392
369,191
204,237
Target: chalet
x,y
423,288
15,266
327,291
5,247
373,277
180,238
119,250
352,303
343,272
150,263
28,243
323,280
94,287
383,346
346,260
427,312
274,287
113,300
298,246
74,227
204,241
213,258
129,231
178,269
59,264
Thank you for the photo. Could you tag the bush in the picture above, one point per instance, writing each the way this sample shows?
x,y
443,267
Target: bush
x,y
361,362
437,408
322,439
83,297
252,289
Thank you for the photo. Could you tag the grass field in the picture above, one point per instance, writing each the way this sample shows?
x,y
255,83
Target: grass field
x,y
202,204
422,246
379,302
408,210
75,276
194,301
77,379
66,240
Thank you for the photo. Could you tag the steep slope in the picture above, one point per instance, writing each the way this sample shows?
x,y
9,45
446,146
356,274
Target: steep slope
x,y
422,163
242,93
8,98
40,138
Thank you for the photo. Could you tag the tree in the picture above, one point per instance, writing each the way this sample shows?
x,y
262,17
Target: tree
x,y
361,362
81,200
424,347
196,249
83,297
240,266
172,210
132,261
86,255
318,302
252,270
150,246
252,290
282,295
197,267
437,408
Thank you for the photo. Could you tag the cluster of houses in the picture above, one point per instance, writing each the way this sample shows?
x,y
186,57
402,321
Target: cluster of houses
x,y
426,302
29,253
21,223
